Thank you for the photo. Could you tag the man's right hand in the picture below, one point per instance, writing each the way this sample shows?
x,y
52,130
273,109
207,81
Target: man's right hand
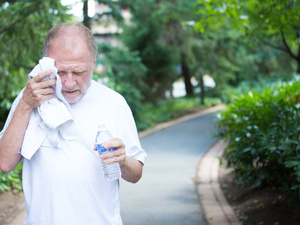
x,y
36,91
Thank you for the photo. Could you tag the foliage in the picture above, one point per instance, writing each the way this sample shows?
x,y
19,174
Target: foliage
x,y
227,56
263,130
271,22
180,35
143,35
258,85
12,180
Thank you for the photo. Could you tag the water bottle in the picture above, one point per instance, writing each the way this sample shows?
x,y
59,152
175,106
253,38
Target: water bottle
x,y
111,171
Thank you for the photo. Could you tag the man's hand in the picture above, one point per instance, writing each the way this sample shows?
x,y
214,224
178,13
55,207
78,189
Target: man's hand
x,y
36,91
117,156
131,169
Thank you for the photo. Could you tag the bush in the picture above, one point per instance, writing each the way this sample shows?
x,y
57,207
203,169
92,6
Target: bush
x,y
12,180
264,139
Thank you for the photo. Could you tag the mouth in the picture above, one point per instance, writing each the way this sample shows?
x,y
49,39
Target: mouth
x,y
70,93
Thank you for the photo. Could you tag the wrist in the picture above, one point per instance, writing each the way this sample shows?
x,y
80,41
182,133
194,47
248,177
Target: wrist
x,y
24,107
123,162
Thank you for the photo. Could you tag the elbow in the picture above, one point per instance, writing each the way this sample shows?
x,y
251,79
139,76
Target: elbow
x,y
132,180
136,179
5,168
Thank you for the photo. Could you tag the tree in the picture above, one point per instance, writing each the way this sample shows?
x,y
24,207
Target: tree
x,y
86,18
144,35
115,12
23,27
272,22
176,14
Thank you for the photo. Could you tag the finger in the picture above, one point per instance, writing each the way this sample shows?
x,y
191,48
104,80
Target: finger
x,y
113,143
114,156
47,83
116,159
111,160
47,91
42,75
116,153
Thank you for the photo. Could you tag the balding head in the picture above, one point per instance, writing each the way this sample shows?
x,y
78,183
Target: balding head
x,y
69,35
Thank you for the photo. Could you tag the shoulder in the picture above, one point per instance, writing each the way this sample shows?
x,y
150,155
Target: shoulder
x,y
105,92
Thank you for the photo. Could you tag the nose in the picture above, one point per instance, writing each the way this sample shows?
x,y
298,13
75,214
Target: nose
x,y
68,81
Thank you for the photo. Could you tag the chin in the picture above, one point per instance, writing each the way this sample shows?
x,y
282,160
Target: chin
x,y
73,99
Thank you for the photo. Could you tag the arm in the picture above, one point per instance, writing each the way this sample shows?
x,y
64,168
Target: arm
x,y
34,94
131,169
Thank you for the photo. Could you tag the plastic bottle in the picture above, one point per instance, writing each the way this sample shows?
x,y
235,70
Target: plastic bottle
x,y
111,171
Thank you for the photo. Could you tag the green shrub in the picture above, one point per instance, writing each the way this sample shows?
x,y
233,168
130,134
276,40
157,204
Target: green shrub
x,y
264,139
12,180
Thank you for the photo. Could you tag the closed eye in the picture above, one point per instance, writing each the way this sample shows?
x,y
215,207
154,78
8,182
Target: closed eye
x,y
78,73
61,72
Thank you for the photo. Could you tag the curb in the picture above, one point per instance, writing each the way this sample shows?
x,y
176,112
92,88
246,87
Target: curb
x,y
216,208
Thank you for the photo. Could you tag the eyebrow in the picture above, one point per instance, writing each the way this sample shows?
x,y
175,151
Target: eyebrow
x,y
79,71
73,71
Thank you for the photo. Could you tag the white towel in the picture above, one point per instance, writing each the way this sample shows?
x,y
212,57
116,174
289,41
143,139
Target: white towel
x,y
51,119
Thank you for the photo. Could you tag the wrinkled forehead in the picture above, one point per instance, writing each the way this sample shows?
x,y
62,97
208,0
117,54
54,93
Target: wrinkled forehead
x,y
69,66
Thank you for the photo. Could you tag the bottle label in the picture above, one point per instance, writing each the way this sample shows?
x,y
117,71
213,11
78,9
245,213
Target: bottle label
x,y
100,149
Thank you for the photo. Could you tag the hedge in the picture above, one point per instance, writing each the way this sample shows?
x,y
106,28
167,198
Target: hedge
x,y
262,130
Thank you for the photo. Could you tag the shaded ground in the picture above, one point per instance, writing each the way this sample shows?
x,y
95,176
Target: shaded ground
x,y
265,206
10,206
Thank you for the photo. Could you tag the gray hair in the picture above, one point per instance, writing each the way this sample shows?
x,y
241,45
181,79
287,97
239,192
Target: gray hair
x,y
80,30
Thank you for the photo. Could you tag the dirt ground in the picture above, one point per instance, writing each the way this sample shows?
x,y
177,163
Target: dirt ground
x,y
265,206
10,206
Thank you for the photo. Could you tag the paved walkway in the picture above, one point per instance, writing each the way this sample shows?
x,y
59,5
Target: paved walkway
x,y
186,192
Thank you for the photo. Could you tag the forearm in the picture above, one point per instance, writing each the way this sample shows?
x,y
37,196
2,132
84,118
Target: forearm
x,y
131,170
12,139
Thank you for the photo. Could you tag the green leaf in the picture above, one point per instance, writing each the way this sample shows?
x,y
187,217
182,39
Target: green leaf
x,y
292,163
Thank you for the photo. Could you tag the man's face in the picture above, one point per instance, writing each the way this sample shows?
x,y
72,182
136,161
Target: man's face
x,y
75,66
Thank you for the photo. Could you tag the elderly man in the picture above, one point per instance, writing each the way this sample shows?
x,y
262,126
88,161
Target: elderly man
x,y
64,184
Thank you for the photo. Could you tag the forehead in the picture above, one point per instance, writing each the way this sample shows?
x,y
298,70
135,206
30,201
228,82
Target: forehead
x,y
67,55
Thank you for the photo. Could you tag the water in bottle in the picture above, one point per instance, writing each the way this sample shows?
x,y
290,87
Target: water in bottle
x,y
111,171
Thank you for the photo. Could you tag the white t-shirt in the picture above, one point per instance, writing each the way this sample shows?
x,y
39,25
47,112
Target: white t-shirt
x,y
65,185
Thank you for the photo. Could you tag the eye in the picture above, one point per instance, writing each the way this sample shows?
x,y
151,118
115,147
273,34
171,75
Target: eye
x,y
61,72
78,73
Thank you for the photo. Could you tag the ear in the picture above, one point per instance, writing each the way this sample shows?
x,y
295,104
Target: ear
x,y
94,64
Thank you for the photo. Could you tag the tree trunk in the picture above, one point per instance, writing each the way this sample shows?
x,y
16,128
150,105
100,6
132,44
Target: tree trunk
x,y
298,60
202,94
186,75
86,18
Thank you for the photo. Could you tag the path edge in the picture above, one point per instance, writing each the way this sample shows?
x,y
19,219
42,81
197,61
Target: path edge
x,y
212,200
